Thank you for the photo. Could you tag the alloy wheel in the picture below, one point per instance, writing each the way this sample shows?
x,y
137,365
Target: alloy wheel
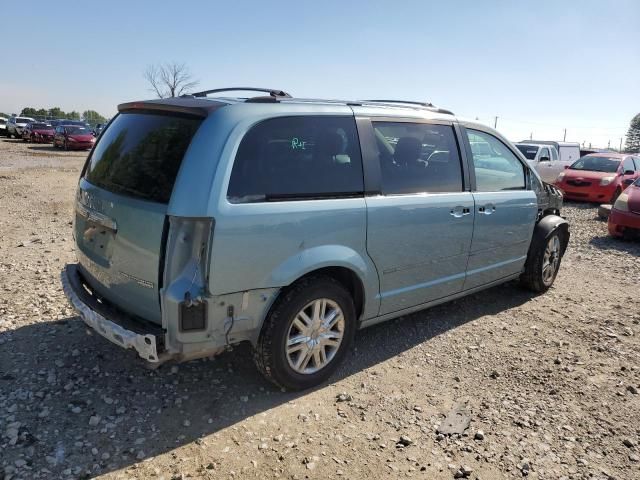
x,y
315,336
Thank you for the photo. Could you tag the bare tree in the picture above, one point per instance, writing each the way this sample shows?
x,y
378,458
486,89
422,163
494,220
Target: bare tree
x,y
169,79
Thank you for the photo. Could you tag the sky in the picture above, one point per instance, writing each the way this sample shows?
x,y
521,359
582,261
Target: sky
x,y
539,66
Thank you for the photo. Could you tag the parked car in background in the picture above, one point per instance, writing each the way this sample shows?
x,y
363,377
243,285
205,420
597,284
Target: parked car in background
x,y
624,219
16,124
97,130
3,126
568,151
544,159
38,132
599,177
73,137
289,224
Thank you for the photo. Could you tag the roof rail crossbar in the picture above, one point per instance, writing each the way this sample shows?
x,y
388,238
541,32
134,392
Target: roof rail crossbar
x,y
408,102
271,91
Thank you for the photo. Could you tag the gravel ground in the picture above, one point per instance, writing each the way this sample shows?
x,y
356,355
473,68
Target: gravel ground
x,y
548,384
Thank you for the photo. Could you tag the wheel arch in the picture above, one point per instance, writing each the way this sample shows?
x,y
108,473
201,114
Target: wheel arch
x,y
546,226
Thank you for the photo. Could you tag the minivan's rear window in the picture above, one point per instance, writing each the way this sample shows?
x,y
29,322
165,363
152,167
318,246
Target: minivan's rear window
x,y
139,155
295,158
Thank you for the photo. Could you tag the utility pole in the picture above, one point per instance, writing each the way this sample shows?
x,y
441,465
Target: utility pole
x,y
620,149
609,144
495,122
565,135
531,136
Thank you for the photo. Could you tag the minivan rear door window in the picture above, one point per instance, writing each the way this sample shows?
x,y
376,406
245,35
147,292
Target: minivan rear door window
x,y
139,155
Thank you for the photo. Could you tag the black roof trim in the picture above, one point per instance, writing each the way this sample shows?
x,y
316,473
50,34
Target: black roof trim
x,y
273,92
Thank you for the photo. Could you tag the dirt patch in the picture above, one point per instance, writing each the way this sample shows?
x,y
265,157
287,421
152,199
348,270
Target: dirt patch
x,y
550,382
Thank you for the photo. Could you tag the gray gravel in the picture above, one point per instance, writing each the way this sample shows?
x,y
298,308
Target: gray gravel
x,y
550,382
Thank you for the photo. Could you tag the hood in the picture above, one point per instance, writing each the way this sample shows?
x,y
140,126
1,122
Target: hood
x,y
84,137
634,198
587,174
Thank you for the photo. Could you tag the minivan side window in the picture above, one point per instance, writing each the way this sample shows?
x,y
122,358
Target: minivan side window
x,y
295,158
496,167
417,158
554,154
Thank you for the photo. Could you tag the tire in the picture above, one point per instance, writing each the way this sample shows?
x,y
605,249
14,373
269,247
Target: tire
x,y
282,325
616,194
66,146
536,277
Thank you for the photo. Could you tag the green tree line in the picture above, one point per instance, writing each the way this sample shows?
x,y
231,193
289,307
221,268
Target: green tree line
x,y
90,116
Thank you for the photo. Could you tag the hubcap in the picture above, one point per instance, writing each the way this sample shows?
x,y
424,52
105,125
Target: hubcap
x,y
550,260
315,336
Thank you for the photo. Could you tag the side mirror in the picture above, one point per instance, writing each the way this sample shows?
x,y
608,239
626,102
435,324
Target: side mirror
x,y
628,181
629,172
544,159
566,166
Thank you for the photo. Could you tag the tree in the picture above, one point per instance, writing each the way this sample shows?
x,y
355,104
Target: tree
x,y
28,112
55,112
92,116
633,136
169,79
73,115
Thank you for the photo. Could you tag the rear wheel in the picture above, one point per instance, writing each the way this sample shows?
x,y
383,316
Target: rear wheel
x,y
543,264
307,334
66,145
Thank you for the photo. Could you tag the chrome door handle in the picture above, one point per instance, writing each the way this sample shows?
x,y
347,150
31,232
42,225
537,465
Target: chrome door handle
x,y
487,209
459,211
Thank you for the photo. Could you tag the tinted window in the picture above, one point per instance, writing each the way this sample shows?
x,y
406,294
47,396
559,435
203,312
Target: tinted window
x,y
554,153
529,151
140,154
417,157
496,167
23,120
297,157
637,162
596,164
628,165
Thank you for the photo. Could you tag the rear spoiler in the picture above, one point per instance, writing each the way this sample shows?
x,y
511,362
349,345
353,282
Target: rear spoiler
x,y
187,106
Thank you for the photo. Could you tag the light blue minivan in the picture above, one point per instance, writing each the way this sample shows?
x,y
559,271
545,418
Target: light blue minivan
x,y
205,221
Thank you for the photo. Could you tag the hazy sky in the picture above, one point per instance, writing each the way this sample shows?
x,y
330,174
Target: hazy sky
x,y
540,66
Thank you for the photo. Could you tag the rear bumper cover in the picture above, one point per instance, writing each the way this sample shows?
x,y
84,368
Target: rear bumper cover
x,y
113,328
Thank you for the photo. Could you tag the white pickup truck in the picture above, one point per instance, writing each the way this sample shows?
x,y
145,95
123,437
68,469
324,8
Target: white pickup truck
x,y
545,159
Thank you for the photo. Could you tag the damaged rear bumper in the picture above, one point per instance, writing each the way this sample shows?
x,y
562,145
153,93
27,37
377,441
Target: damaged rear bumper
x,y
114,326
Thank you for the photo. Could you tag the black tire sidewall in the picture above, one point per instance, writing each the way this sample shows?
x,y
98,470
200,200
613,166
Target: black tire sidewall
x,y
533,274
280,320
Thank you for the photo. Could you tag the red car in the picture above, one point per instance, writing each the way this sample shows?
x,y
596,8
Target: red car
x,y
624,219
38,133
598,177
73,137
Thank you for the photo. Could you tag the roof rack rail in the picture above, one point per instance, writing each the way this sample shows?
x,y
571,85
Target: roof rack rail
x,y
275,93
419,104
422,104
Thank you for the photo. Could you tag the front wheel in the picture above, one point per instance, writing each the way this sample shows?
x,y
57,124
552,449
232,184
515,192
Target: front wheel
x,y
307,334
543,264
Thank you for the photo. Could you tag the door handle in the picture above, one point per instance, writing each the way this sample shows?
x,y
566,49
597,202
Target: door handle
x,y
487,209
460,211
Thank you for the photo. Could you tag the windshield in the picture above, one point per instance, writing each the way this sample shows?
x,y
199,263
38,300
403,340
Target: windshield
x,y
528,151
76,130
40,126
2,121
596,164
23,120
